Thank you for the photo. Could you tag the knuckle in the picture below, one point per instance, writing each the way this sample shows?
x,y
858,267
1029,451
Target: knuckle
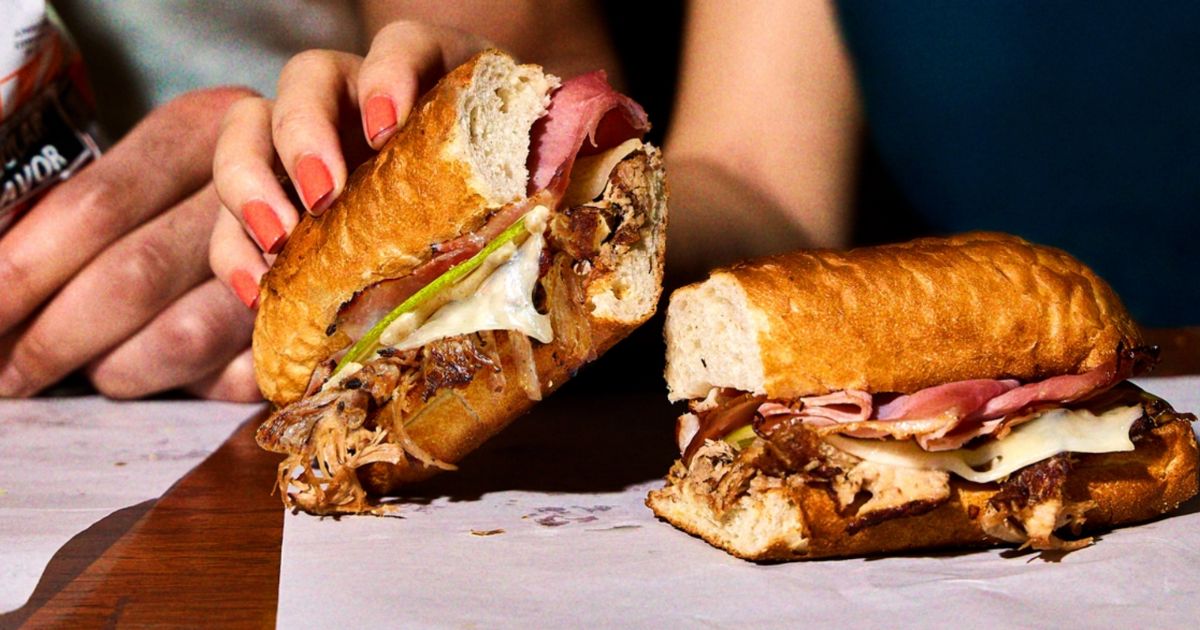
x,y
193,338
306,62
141,274
291,123
99,194
397,29
101,204
406,31
214,99
237,384
13,276
36,359
247,178
244,116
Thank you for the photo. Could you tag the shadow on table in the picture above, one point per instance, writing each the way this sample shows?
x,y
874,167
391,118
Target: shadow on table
x,y
607,429
72,558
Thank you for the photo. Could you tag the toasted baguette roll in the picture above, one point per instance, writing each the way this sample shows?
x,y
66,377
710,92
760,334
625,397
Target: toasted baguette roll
x,y
445,181
790,521
896,318
461,154
972,340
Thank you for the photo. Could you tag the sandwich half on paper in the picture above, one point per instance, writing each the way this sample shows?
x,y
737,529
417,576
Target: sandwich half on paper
x,y
511,232
956,392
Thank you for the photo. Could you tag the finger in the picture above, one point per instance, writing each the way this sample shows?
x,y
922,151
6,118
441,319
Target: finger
x,y
244,174
115,295
199,333
235,260
405,59
313,94
235,382
162,161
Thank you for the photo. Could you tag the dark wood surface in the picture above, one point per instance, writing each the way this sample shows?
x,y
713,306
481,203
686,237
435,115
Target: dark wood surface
x,y
207,553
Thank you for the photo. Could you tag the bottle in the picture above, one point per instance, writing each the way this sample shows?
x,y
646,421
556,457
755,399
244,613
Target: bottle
x,y
47,113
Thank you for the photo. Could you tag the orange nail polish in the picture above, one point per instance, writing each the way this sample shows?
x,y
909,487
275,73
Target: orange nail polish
x,y
315,183
379,114
265,225
246,287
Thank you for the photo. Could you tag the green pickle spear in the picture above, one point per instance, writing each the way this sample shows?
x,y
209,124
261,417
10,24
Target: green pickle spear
x,y
369,341
741,437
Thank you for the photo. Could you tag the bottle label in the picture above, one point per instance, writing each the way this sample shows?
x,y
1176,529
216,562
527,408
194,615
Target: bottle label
x,y
45,109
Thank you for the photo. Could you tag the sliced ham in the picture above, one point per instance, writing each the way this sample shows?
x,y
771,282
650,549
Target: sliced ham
x,y
842,407
1000,414
948,416
1060,389
826,412
583,108
958,400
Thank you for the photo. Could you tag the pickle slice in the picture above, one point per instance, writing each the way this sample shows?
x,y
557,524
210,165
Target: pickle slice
x,y
370,341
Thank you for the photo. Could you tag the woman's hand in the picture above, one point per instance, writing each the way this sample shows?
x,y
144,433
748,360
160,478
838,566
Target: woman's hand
x,y
333,109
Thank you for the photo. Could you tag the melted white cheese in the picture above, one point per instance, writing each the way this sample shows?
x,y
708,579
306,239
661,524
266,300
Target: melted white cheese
x,y
590,174
504,301
1056,431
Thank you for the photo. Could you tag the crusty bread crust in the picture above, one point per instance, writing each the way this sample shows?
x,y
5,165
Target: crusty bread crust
x,y
899,318
1161,473
422,176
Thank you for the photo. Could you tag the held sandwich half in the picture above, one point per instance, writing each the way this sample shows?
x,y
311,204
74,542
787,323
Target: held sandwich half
x,y
968,391
512,231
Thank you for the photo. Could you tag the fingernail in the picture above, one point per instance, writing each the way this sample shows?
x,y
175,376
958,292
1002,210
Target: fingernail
x,y
315,183
246,287
380,115
265,225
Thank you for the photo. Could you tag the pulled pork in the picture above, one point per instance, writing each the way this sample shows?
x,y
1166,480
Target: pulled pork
x,y
332,433
891,491
1030,507
598,233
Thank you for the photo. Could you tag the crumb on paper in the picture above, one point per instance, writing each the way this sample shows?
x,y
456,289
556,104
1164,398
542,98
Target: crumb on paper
x,y
118,464
615,528
486,532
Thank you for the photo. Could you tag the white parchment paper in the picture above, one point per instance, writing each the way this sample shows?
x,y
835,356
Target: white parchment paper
x,y
501,548
66,463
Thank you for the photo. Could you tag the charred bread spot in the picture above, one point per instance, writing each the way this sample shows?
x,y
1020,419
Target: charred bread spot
x,y
912,508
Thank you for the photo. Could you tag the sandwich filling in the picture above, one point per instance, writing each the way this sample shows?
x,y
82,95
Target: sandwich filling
x,y
886,456
479,307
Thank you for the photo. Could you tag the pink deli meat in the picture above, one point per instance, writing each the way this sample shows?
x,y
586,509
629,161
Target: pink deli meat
x,y
583,108
946,416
